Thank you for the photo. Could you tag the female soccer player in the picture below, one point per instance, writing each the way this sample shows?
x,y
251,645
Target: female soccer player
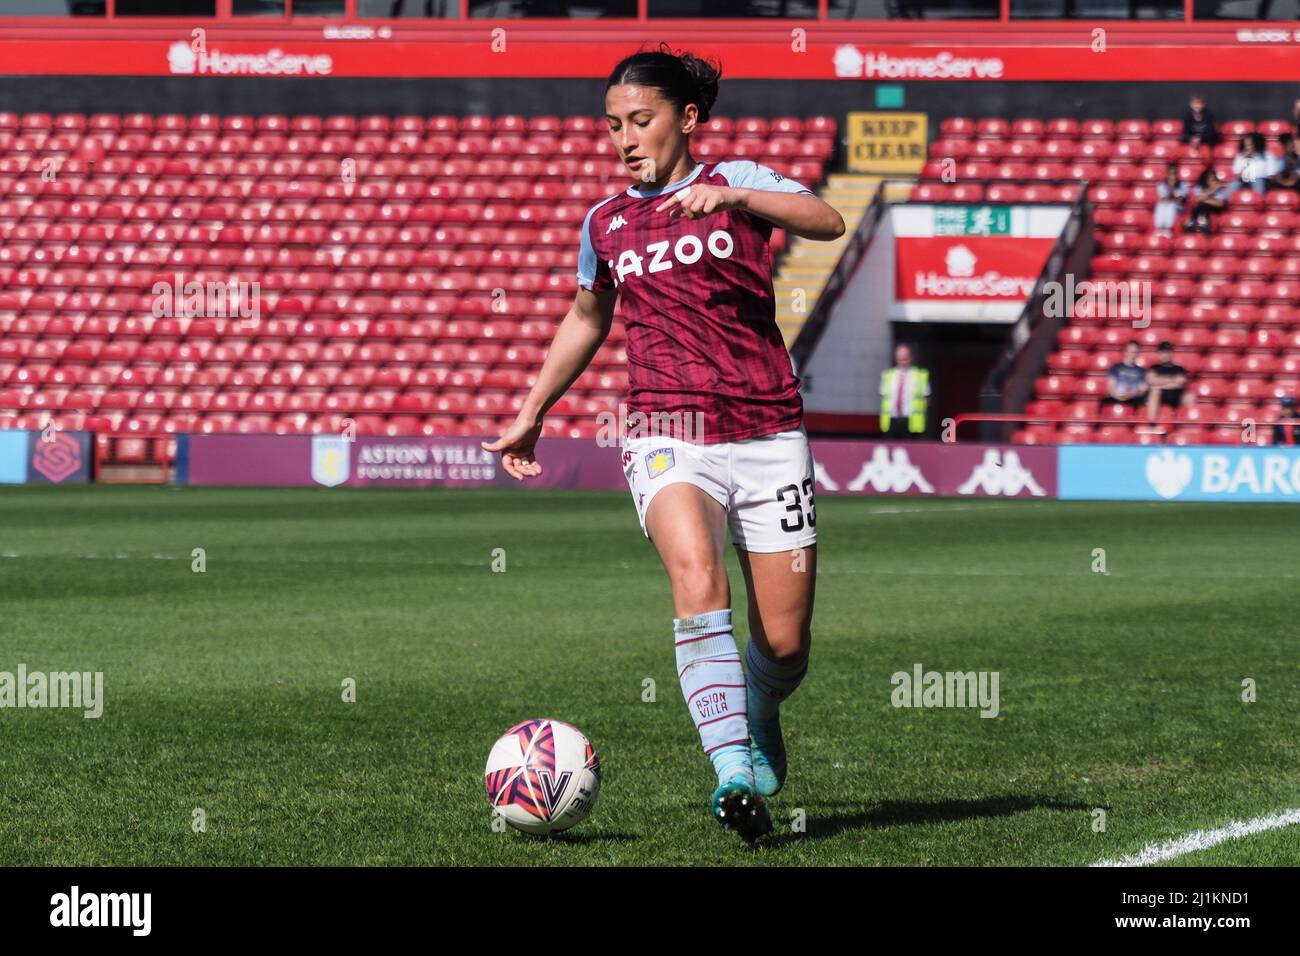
x,y
686,247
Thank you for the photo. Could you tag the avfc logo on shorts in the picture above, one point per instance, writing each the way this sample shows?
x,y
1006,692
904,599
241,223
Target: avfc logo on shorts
x,y
657,462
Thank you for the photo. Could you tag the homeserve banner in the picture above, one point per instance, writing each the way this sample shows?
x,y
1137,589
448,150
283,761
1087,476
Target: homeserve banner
x,y
959,262
1231,54
979,268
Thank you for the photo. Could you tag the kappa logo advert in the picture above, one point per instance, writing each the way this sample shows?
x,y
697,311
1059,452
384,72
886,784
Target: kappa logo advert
x,y
890,471
1001,473
934,468
657,462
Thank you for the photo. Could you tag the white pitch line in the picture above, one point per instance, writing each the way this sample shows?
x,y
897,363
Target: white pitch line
x,y
1204,839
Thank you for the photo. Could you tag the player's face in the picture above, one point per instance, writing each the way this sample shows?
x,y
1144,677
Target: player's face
x,y
647,130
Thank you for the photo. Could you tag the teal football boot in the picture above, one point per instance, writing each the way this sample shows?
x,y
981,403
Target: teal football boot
x,y
737,806
768,750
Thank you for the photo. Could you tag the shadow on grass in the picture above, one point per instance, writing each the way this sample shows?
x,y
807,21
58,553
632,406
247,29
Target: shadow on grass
x,y
828,820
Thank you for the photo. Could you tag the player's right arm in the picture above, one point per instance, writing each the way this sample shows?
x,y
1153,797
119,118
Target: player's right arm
x,y
576,341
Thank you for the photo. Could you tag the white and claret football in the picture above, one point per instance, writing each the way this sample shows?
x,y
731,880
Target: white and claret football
x,y
542,776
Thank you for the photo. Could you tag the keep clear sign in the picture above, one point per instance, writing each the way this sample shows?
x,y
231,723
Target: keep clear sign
x,y
887,142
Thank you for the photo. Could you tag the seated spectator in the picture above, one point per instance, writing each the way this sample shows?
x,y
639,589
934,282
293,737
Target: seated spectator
x,y
1209,196
1252,165
1199,128
1167,383
1126,382
1287,429
1171,198
1287,173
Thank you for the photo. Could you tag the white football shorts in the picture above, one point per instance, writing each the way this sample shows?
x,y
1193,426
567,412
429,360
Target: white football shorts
x,y
765,484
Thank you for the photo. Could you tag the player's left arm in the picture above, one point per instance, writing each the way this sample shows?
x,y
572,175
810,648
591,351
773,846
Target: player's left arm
x,y
763,192
800,213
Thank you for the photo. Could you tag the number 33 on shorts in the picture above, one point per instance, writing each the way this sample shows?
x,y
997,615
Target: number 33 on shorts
x,y
797,505
765,484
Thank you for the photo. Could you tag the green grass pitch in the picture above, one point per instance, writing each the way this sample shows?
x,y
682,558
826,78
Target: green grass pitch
x,y
223,689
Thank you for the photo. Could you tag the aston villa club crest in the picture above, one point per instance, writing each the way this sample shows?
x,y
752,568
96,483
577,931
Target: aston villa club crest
x,y
330,464
659,461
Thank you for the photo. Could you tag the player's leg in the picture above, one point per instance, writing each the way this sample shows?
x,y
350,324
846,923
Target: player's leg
x,y
773,525
688,528
781,588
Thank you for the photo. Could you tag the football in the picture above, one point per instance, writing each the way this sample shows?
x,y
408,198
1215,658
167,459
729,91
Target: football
x,y
542,776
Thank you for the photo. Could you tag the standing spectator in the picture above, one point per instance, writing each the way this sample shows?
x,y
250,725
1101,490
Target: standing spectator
x,y
1252,165
1199,128
1167,383
904,394
1126,382
1171,198
1286,174
1287,429
1209,196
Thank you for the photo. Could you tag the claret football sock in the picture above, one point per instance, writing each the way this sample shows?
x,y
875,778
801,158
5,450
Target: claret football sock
x,y
713,683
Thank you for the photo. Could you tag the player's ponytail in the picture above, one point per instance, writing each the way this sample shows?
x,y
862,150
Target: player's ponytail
x,y
681,77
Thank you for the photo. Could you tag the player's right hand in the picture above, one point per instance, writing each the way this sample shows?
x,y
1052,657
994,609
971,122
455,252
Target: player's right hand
x,y
516,447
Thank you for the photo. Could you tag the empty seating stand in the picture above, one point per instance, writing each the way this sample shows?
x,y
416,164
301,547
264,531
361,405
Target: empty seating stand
x,y
410,270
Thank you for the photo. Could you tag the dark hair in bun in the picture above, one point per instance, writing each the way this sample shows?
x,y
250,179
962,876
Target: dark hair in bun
x,y
681,77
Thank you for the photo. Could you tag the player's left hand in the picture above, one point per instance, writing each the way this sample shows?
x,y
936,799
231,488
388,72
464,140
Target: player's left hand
x,y
517,448
699,200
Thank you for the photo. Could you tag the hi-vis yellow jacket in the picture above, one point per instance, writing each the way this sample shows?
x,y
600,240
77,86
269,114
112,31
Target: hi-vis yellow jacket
x,y
916,402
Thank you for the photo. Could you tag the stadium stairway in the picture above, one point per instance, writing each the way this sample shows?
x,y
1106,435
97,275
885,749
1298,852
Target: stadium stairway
x,y
807,264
